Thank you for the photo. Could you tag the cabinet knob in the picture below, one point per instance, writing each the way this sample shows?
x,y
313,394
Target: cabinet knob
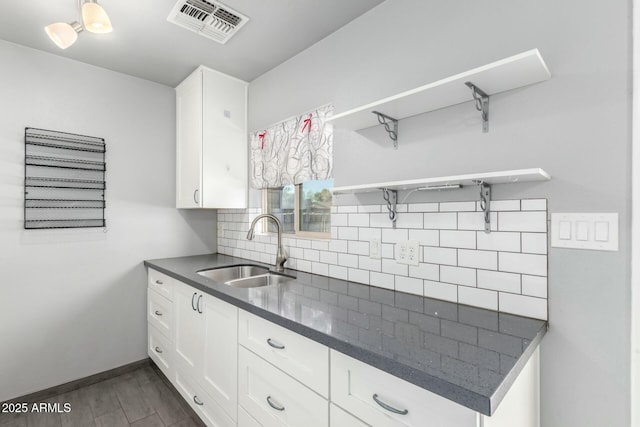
x,y
198,401
158,313
389,407
275,345
274,405
158,350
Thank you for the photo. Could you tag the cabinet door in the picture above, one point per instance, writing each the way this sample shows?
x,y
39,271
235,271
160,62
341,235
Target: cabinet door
x,y
206,408
188,328
189,142
224,141
220,361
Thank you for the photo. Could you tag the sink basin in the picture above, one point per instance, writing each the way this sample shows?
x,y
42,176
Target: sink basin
x,y
258,281
226,274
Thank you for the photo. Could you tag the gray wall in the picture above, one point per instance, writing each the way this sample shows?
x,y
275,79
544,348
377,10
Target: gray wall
x,y
576,126
73,302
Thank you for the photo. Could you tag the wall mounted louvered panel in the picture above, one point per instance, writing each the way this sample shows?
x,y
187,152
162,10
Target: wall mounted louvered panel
x,y
64,184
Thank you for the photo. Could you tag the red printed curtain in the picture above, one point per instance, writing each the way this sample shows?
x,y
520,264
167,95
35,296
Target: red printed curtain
x,y
293,151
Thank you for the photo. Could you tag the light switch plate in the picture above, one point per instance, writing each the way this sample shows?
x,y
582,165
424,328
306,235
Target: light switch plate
x,y
375,249
591,231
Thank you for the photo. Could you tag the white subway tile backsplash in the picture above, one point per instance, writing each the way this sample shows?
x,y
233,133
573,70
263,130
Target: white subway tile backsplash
x,y
358,220
366,263
390,266
425,271
478,297
523,263
535,286
348,260
458,275
394,235
499,241
523,305
499,281
487,260
475,220
328,257
441,221
457,207
382,280
425,237
439,290
338,272
348,233
523,221
410,220
360,276
504,270
534,204
409,285
368,234
358,248
434,255
458,239
423,207
534,243
339,220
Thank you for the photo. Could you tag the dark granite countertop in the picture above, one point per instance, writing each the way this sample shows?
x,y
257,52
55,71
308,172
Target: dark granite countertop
x,y
465,354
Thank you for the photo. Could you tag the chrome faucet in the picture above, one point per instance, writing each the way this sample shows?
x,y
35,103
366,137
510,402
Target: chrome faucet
x,y
281,256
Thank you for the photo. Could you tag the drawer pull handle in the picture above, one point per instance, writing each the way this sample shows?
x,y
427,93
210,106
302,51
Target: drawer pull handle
x,y
389,407
158,313
198,401
158,350
159,282
273,405
274,345
193,304
199,309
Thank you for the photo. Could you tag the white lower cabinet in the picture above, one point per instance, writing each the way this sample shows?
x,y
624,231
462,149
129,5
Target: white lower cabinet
x,y
274,398
160,350
341,418
204,405
382,400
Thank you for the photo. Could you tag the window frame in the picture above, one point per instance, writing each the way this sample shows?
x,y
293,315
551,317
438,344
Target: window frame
x,y
316,235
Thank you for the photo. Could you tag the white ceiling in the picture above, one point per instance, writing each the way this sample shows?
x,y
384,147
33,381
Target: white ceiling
x,y
144,44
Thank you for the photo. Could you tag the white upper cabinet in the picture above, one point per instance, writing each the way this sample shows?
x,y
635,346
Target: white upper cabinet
x,y
211,155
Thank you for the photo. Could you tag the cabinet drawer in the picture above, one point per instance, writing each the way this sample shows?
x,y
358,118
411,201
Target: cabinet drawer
x,y
355,386
338,417
202,404
246,420
161,283
159,313
160,350
276,399
300,357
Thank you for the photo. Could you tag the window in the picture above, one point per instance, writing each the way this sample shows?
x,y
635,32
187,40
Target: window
x,y
304,209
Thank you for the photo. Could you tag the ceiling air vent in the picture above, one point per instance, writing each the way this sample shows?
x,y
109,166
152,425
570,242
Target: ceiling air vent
x,y
211,19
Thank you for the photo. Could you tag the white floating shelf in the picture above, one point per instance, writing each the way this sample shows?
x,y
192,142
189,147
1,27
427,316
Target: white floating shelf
x,y
502,177
506,74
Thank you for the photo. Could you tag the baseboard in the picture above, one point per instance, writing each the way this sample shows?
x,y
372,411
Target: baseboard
x,y
41,395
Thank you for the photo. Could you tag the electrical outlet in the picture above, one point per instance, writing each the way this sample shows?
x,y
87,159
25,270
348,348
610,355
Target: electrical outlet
x,y
375,249
408,252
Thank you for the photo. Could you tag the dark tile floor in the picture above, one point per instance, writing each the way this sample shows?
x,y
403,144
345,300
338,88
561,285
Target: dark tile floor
x,y
137,399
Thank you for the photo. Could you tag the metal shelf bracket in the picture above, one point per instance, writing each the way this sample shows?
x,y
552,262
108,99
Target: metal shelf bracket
x,y
385,120
485,204
391,197
482,104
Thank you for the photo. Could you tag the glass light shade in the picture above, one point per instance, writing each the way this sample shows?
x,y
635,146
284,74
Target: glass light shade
x,y
95,19
62,34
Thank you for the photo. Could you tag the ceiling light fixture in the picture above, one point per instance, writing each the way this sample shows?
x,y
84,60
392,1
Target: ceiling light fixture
x,y
94,20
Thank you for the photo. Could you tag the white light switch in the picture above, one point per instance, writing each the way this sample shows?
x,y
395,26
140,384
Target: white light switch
x,y
594,231
564,232
582,231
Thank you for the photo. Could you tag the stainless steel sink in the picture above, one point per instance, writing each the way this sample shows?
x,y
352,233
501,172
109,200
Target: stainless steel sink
x,y
258,281
226,274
